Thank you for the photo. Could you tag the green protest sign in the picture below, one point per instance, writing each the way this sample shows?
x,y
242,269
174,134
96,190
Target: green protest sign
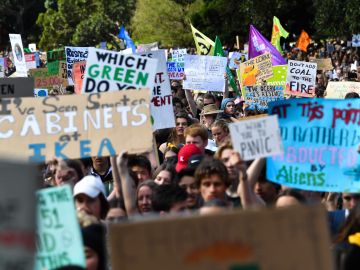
x,y
59,240
53,58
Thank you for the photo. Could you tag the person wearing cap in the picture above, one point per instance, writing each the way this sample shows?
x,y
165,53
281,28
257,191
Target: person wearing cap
x,y
185,153
208,116
89,194
228,107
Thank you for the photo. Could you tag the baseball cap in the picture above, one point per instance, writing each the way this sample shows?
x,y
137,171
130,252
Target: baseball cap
x,y
185,154
90,185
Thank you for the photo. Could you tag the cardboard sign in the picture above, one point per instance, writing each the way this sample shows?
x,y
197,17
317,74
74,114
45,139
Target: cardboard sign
x,y
162,111
113,71
59,240
255,70
300,78
175,70
18,55
16,87
242,240
73,55
44,80
78,75
53,58
256,137
30,60
2,67
340,89
69,126
258,96
205,73
323,64
321,139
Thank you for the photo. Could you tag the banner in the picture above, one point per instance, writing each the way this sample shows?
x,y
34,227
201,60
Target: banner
x,y
301,78
18,55
59,240
16,87
255,70
78,73
323,64
340,89
258,45
80,126
356,40
242,240
18,211
112,71
258,96
205,73
30,60
257,137
2,67
162,111
321,139
73,55
204,45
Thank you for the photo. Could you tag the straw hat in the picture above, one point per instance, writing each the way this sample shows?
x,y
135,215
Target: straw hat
x,y
210,109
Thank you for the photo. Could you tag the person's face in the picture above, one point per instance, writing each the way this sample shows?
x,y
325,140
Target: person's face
x,y
197,141
92,259
100,163
163,178
181,124
91,206
144,199
141,173
350,200
65,175
188,183
230,108
219,134
285,201
115,214
177,107
178,207
209,119
266,191
225,159
212,188
208,101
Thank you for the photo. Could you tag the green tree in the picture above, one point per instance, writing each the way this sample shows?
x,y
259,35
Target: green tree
x,y
165,21
83,22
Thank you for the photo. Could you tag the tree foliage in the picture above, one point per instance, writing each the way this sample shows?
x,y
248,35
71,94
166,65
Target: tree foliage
x,y
82,22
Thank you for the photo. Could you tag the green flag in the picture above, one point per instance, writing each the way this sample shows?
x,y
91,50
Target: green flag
x,y
277,32
218,51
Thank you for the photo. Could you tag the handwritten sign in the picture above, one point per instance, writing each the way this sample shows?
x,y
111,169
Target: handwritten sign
x,y
53,58
78,126
30,60
16,87
323,64
258,96
162,112
216,242
320,138
340,89
257,137
113,71
18,212
59,240
205,73
300,78
18,55
44,80
78,75
255,70
73,55
178,55
175,70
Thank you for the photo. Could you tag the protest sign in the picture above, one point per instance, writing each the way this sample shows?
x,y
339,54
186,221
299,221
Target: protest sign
x,y
178,55
30,60
323,64
142,48
320,139
18,55
80,126
162,112
235,60
32,47
175,70
112,71
78,75
356,40
73,55
340,89
256,137
300,78
205,73
255,70
242,240
279,77
53,57
17,203
16,87
2,67
258,96
38,92
59,240
44,80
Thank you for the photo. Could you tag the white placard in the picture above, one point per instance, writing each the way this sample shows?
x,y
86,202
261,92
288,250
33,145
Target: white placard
x,y
235,60
205,73
256,137
301,78
18,53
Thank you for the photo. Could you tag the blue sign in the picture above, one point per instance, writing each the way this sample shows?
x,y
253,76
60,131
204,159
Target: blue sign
x,y
321,140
